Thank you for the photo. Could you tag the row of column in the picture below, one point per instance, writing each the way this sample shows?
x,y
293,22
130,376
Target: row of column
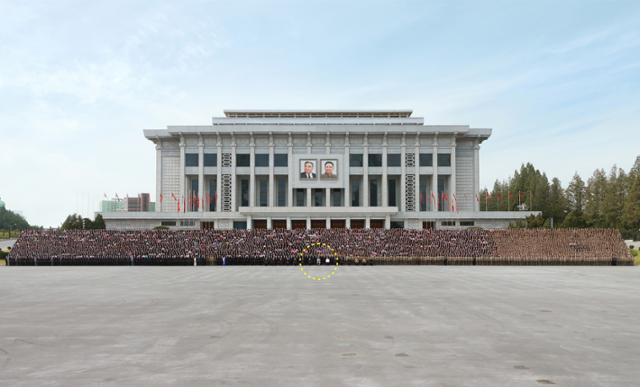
x,y
347,189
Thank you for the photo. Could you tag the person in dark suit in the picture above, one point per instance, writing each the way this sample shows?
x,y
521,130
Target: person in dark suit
x,y
308,171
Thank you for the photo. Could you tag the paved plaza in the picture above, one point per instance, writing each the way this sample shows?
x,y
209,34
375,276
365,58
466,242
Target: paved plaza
x,y
365,326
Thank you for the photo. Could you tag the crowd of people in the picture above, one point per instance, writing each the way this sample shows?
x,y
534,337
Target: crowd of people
x,y
288,247
586,246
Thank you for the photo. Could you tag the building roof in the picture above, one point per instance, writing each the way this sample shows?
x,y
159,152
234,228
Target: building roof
x,y
251,113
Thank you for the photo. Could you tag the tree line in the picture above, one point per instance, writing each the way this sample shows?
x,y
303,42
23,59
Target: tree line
x,y
9,220
605,200
77,222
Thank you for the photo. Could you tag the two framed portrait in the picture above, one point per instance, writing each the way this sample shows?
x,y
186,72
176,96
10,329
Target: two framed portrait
x,y
323,169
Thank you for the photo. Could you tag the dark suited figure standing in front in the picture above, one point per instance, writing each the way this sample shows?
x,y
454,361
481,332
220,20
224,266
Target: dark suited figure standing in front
x,y
308,171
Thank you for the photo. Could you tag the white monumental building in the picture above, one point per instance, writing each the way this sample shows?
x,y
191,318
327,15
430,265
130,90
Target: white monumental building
x,y
316,169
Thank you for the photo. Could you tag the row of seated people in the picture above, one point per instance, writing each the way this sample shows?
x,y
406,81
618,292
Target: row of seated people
x,y
283,247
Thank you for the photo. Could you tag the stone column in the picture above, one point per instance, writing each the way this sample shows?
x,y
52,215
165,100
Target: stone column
x,y
453,196
181,195
385,187
271,202
218,196
434,176
292,169
288,223
201,201
159,203
234,180
347,171
403,175
365,172
417,165
476,174
252,172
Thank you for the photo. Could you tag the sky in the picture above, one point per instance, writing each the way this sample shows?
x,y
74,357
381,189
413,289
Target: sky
x,y
557,81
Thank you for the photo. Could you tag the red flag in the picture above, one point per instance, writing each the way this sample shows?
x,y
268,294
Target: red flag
x,y
454,203
178,205
173,196
161,198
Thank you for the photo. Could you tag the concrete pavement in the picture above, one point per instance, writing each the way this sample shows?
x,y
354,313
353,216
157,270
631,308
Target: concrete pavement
x,y
366,326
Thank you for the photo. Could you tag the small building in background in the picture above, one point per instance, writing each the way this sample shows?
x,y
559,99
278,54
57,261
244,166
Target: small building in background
x,y
141,203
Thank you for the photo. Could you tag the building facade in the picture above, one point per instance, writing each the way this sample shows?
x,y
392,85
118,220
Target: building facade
x,y
316,169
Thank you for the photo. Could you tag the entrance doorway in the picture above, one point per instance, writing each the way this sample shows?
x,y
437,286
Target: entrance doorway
x,y
429,225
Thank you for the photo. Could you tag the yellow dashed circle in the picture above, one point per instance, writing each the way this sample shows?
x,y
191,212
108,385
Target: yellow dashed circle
x,y
304,252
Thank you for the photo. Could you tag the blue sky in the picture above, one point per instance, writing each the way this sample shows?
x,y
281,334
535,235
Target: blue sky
x,y
558,82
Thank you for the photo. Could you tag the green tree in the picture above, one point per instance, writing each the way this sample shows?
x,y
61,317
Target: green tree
x,y
575,200
595,197
9,220
631,207
557,208
614,196
98,222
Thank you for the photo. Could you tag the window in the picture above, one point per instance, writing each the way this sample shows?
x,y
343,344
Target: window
x,y
262,160
373,193
426,160
242,160
187,223
355,192
392,192
444,160
300,196
191,159
244,192
239,225
355,160
336,197
467,223
318,197
210,160
263,192
375,160
281,185
281,160
448,223
168,223
397,224
212,197
393,160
